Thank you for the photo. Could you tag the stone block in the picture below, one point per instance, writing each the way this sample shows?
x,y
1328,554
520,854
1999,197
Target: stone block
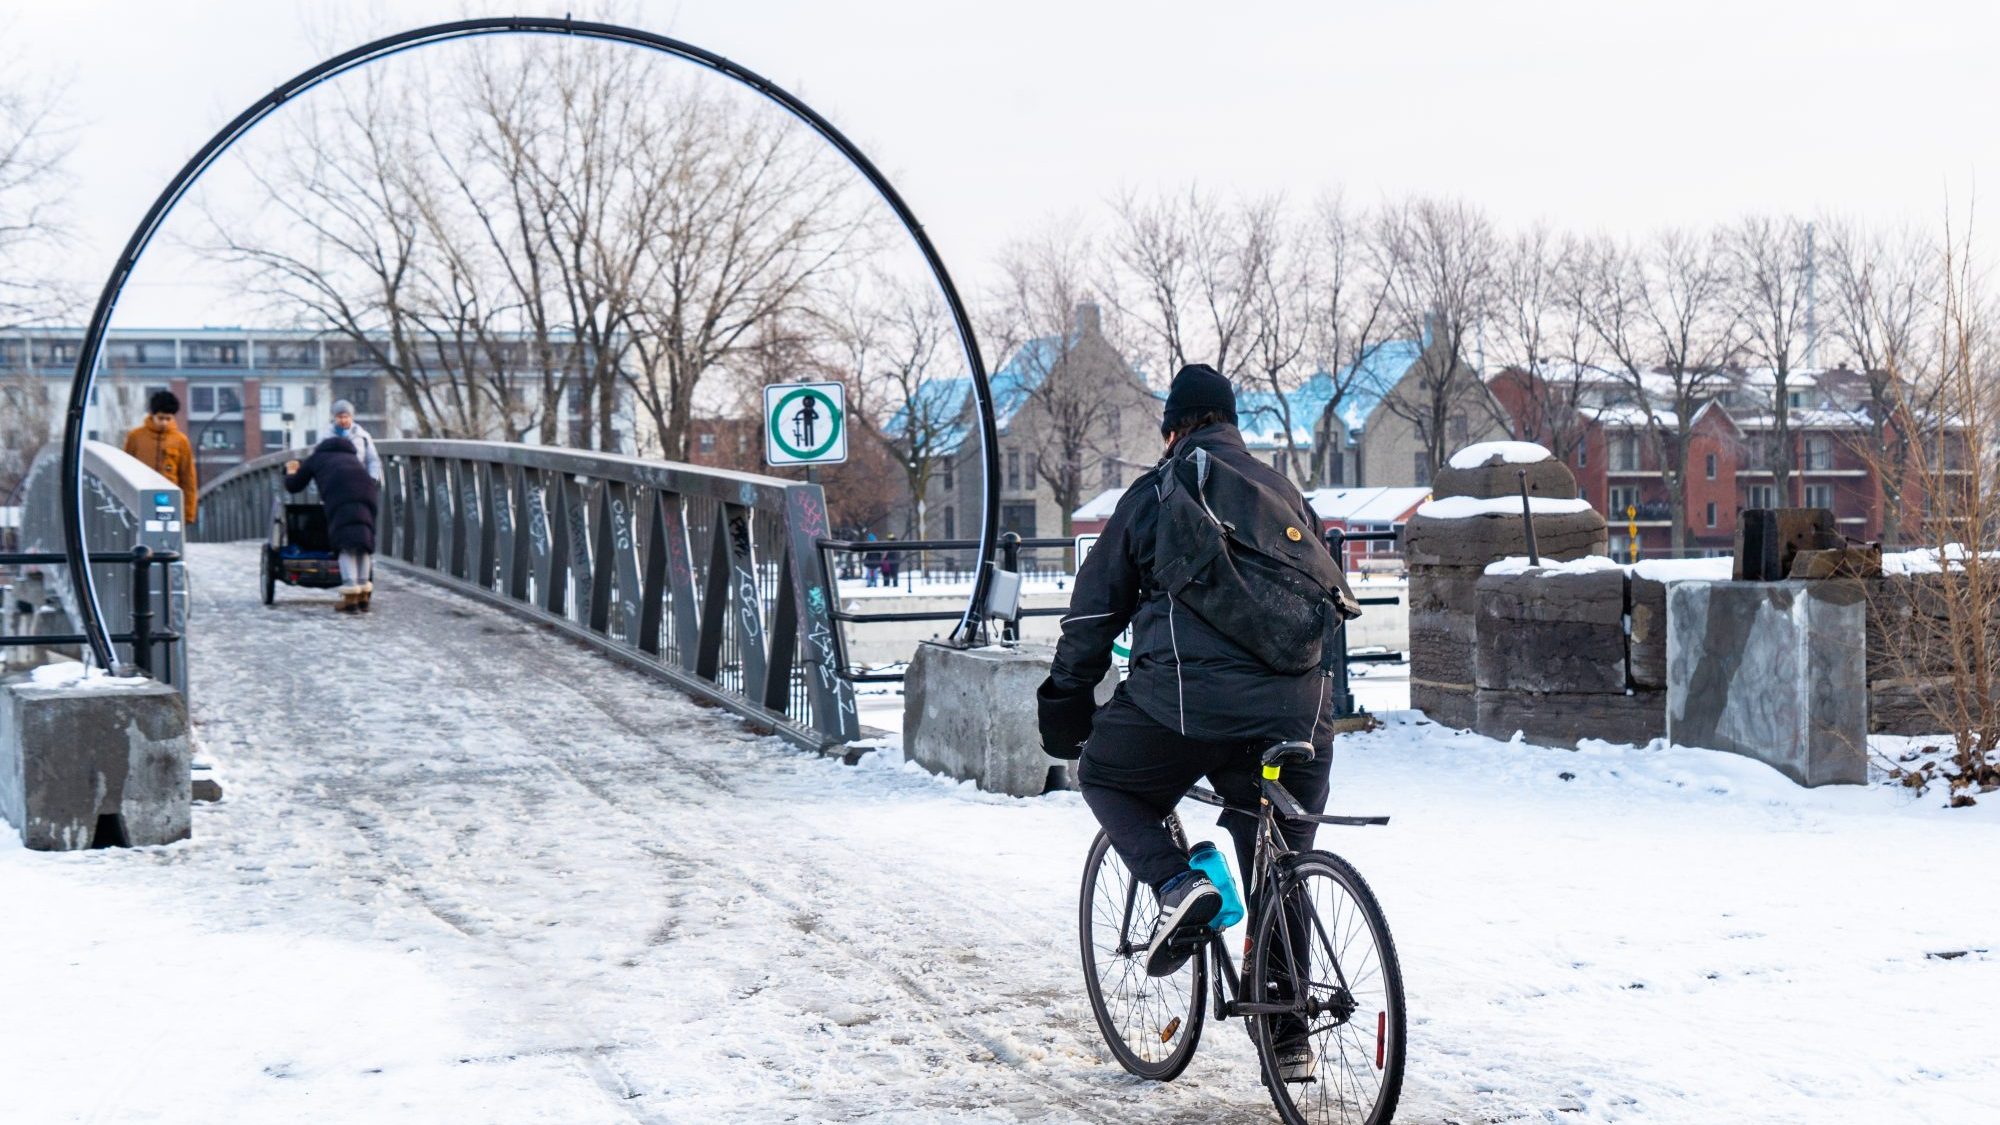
x,y
1451,705
1551,633
88,764
970,714
1838,562
1773,670
1545,478
1478,540
1769,539
1646,652
1566,718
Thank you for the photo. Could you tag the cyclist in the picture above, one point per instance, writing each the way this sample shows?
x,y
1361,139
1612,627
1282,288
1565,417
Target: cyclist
x,y
1196,702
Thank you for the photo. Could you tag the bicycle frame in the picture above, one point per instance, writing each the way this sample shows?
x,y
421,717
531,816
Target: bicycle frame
x,y
1274,803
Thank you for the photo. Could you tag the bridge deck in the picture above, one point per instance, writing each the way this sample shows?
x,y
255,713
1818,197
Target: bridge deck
x,y
469,871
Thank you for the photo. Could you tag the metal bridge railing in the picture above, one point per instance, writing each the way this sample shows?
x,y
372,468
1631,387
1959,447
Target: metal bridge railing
x,y
708,578
132,521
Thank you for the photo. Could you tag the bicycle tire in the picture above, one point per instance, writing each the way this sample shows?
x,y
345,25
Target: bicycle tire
x,y
1171,1008
1372,1035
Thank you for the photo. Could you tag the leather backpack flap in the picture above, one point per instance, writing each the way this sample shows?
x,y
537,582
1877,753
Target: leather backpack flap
x,y
1263,520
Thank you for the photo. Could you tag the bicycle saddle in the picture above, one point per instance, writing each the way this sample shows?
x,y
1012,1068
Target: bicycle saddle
x,y
1288,753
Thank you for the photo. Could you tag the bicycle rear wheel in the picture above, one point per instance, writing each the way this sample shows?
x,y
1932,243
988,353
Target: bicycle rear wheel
x,y
1151,1024
1336,962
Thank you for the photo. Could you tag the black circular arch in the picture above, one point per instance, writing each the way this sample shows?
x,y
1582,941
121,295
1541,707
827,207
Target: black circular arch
x,y
107,301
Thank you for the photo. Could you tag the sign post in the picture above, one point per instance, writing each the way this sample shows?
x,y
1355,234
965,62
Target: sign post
x,y
805,424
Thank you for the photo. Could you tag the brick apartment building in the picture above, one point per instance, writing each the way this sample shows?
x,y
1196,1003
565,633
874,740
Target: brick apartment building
x,y
1618,469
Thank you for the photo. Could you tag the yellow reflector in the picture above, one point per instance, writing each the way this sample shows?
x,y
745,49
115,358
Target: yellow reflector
x,y
1270,773
1171,1028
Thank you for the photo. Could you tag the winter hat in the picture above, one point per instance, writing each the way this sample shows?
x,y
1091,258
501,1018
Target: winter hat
x,y
1197,390
342,406
163,402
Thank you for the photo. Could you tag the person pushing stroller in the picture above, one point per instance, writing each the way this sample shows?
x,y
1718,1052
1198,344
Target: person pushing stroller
x,y
351,498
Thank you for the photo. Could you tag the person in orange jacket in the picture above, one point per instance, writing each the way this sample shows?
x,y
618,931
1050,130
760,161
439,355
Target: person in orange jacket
x,y
161,447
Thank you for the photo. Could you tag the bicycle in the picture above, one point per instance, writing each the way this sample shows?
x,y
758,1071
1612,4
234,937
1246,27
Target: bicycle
x,y
1349,996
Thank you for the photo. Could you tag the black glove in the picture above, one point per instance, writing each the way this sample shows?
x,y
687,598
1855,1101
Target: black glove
x,y
1064,721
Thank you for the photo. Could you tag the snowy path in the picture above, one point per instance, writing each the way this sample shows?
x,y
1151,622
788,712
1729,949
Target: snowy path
x,y
498,878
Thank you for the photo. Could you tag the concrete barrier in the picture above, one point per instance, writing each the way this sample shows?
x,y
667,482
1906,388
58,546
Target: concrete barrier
x,y
970,713
93,763
1775,671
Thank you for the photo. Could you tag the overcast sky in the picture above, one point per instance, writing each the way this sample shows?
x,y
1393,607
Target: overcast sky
x,y
993,117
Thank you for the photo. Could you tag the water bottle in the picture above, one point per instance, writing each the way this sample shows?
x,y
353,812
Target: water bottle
x,y
1207,860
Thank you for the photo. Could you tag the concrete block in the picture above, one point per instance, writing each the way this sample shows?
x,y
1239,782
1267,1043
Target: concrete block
x,y
1566,718
1542,632
970,714
1776,671
87,764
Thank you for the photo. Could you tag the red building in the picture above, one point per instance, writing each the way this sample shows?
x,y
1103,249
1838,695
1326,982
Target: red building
x,y
1609,445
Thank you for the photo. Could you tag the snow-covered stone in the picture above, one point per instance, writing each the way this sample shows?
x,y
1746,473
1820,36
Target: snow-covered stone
x,y
1499,453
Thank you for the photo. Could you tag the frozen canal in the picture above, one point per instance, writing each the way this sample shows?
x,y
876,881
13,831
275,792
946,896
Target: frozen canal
x,y
470,872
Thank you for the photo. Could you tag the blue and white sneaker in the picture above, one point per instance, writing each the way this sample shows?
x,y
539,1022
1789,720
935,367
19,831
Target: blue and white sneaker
x,y
1187,904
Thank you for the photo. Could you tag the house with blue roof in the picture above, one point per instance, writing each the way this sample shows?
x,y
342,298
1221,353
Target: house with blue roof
x,y
1074,418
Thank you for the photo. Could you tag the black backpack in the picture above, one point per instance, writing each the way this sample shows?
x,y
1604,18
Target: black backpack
x,y
1233,551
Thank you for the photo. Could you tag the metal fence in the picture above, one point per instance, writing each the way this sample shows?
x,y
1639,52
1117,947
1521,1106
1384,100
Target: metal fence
x,y
127,507
708,578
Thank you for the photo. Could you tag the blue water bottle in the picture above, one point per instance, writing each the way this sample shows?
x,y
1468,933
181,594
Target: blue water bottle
x,y
1205,859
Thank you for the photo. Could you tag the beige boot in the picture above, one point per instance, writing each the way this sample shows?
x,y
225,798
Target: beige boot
x,y
350,600
367,592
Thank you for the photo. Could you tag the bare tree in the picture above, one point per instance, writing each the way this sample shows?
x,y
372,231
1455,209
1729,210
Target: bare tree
x,y
33,147
1035,317
1881,288
1349,299
1770,263
1195,265
1941,631
1439,255
1663,319
898,342
1542,289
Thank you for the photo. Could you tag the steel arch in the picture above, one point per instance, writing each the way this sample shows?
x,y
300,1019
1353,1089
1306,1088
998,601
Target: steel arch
x,y
114,286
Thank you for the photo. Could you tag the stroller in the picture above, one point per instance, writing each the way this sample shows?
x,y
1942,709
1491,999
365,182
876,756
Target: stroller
x,y
298,553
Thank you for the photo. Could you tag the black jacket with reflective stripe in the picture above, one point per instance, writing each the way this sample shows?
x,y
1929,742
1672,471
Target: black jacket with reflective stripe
x,y
1184,674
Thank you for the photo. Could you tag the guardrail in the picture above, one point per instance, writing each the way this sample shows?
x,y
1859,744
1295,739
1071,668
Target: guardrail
x,y
132,515
1011,548
707,578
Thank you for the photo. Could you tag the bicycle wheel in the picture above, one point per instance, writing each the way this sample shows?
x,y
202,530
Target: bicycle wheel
x,y
1351,988
1151,1024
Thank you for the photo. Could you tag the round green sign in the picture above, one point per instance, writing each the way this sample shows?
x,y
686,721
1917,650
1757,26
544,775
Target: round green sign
x,y
832,430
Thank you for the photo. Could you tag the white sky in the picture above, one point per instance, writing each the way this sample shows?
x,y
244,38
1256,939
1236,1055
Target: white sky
x,y
991,118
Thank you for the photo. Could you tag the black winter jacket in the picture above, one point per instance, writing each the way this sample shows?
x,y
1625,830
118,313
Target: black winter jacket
x,y
1184,674
350,496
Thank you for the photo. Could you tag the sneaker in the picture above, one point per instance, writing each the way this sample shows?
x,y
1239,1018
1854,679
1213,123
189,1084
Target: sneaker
x,y
1187,905
1296,1059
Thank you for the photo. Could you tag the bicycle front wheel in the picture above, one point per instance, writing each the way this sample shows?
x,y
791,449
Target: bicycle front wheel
x,y
1327,953
1151,1024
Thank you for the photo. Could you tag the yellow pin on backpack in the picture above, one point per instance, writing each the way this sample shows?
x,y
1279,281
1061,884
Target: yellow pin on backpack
x,y
1292,533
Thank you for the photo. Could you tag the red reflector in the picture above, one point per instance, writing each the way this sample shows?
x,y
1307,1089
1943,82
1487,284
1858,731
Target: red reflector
x,y
1381,1027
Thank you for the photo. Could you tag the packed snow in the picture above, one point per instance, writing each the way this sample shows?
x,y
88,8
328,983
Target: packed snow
x,y
1508,452
74,676
1464,507
468,871
1659,570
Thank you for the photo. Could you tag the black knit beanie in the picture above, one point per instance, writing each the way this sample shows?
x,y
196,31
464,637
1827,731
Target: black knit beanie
x,y
1198,389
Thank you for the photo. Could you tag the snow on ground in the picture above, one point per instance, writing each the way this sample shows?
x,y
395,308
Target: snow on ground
x,y
498,878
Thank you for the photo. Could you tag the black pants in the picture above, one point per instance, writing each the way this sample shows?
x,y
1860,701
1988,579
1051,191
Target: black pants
x,y
1134,771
